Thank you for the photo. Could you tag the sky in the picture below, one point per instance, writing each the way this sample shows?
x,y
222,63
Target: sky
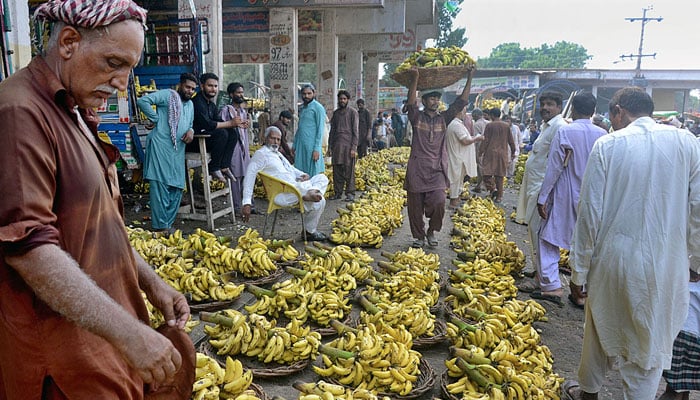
x,y
597,25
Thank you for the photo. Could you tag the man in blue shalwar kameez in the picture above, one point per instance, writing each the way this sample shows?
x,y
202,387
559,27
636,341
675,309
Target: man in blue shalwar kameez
x,y
164,164
308,152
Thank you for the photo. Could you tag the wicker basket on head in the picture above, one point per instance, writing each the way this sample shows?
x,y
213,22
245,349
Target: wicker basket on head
x,y
434,77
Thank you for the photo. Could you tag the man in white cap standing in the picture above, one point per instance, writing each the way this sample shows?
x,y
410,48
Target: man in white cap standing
x,y
426,172
74,324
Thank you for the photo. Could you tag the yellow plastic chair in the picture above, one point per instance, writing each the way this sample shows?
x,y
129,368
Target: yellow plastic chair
x,y
274,186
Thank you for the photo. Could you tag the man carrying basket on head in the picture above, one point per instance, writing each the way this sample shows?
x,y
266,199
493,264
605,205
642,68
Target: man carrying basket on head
x,y
426,174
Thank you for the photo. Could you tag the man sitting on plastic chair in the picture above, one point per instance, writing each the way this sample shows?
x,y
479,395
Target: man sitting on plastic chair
x,y
270,161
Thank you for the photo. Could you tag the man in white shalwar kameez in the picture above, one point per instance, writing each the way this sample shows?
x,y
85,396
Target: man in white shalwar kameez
x,y
269,160
550,110
638,223
558,198
461,156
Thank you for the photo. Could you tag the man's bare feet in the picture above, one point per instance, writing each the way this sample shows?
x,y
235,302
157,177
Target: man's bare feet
x,y
313,195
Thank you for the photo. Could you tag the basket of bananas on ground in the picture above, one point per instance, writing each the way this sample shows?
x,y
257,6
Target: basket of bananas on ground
x,y
322,390
378,358
228,381
437,67
266,349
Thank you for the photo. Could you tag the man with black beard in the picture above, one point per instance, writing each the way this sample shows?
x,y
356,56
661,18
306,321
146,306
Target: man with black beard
x,y
208,122
241,156
269,160
342,144
165,148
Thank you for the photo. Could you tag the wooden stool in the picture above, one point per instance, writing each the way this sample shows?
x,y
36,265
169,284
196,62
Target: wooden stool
x,y
193,160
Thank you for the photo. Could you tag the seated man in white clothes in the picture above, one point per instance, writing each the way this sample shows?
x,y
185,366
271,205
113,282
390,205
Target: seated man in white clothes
x,y
270,161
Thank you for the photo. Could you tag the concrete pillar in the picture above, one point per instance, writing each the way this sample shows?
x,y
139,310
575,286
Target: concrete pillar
x,y
211,10
284,63
327,62
371,83
18,38
353,73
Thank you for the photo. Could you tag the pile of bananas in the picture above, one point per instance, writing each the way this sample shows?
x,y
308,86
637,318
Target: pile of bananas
x,y
256,261
369,359
436,57
306,296
378,212
322,390
142,187
415,316
214,382
385,167
255,336
520,168
339,260
563,258
487,104
479,231
200,283
256,103
483,277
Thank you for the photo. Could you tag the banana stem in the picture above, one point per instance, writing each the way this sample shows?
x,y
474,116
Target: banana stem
x,y
274,256
463,326
277,243
466,255
459,232
304,387
379,275
216,319
341,327
459,293
473,373
388,255
469,356
323,246
388,266
461,275
316,251
335,353
474,313
343,211
258,292
298,272
364,302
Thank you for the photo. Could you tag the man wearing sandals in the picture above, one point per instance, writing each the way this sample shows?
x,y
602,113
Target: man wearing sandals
x,y
558,198
426,172
638,223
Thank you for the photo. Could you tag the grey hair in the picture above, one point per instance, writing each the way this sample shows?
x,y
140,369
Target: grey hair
x,y
87,34
270,129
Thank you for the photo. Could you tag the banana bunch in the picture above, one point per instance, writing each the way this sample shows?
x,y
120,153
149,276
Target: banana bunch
x,y
322,390
498,379
325,306
203,285
484,335
144,89
520,168
287,297
142,187
437,57
563,257
156,318
479,231
256,103
414,316
487,104
406,286
256,336
482,277
374,171
256,261
283,249
154,250
316,278
214,382
368,359
341,260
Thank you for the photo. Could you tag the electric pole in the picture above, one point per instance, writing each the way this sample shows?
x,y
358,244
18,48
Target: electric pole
x,y
638,77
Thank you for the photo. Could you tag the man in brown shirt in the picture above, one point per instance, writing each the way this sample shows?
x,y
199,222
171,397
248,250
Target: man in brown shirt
x,y
342,143
74,323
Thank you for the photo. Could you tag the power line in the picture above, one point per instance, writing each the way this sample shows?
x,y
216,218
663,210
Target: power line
x,y
638,77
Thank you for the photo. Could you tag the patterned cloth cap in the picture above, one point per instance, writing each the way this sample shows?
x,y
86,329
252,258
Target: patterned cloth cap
x,y
90,14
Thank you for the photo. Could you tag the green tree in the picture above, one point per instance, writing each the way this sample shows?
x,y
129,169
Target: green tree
x,y
511,56
448,37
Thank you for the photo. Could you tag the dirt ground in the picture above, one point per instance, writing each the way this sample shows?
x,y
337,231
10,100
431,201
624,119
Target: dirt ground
x,y
562,333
